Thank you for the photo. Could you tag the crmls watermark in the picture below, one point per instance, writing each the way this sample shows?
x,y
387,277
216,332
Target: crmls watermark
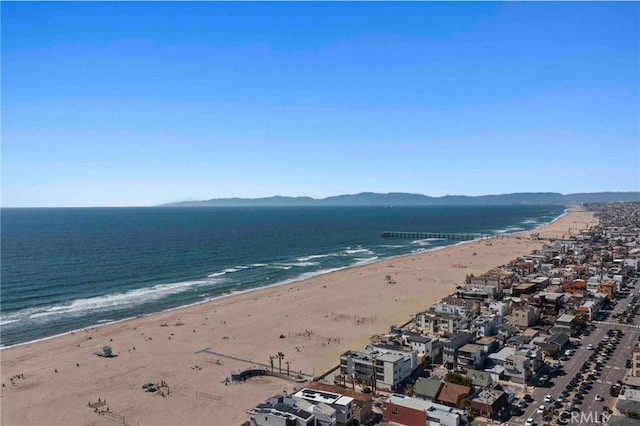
x,y
586,418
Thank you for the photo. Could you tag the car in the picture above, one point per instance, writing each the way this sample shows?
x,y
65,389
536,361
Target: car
x,y
590,347
599,398
522,403
530,422
527,397
541,409
548,398
564,418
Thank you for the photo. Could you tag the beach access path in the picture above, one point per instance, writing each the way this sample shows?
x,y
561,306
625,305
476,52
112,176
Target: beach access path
x,y
310,323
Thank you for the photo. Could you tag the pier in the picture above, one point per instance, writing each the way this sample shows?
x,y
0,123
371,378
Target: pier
x,y
441,235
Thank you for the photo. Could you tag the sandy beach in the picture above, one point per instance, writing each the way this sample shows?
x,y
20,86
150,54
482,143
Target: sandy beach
x,y
311,322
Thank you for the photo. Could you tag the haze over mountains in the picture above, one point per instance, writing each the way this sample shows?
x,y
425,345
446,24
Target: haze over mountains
x,y
405,199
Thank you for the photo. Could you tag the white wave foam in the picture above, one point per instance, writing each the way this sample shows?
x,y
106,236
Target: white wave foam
x,y
315,256
285,267
509,229
365,261
5,322
112,301
299,264
355,251
529,221
226,271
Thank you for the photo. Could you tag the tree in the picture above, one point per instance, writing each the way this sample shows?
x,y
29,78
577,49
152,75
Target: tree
x,y
458,379
280,356
581,319
408,389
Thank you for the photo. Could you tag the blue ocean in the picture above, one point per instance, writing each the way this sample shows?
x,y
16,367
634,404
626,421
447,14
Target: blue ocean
x,y
64,269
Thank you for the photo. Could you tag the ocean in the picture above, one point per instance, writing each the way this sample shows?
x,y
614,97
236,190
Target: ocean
x,y
65,269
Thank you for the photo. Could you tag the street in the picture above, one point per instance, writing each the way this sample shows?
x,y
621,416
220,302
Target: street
x,y
612,371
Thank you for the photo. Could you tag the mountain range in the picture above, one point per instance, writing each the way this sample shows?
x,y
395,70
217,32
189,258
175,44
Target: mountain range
x,y
406,199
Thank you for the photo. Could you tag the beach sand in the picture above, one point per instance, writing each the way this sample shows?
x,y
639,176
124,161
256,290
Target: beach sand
x,y
320,318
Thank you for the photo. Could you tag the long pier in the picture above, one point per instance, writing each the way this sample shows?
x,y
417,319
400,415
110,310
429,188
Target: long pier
x,y
423,235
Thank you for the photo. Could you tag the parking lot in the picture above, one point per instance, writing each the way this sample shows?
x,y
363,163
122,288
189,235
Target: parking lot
x,y
584,380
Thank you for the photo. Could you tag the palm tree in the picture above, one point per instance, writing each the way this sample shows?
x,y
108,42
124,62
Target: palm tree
x,y
280,356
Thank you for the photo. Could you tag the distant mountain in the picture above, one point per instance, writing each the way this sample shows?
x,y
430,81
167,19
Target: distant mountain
x,y
404,199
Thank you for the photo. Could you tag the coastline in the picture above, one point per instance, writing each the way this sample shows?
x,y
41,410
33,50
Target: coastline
x,y
320,318
300,278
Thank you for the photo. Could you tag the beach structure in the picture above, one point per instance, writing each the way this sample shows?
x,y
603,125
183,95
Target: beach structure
x,y
105,352
423,235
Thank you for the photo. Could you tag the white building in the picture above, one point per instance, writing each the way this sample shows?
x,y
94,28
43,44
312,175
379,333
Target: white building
x,y
380,366
342,405
280,415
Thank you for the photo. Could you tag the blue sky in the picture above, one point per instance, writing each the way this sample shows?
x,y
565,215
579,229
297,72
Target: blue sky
x,y
114,104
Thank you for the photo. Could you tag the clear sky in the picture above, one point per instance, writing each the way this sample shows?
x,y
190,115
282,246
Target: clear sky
x,y
114,104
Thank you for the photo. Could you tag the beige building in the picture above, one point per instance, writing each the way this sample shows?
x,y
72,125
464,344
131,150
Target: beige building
x,y
635,362
523,316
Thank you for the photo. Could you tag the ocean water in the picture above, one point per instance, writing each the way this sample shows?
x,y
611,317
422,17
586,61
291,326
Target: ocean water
x,y
65,269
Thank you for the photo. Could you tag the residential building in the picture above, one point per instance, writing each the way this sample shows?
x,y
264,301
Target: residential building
x,y
427,388
523,316
549,303
470,356
489,344
343,405
382,367
591,308
276,413
500,308
450,394
500,357
567,324
523,364
485,325
555,343
491,402
363,402
635,362
480,379
428,348
451,346
407,411
442,324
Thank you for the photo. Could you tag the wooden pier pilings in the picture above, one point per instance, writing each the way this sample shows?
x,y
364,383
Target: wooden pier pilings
x,y
423,235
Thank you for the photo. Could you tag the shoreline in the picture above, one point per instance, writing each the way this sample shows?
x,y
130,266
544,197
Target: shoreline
x,y
294,280
311,322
